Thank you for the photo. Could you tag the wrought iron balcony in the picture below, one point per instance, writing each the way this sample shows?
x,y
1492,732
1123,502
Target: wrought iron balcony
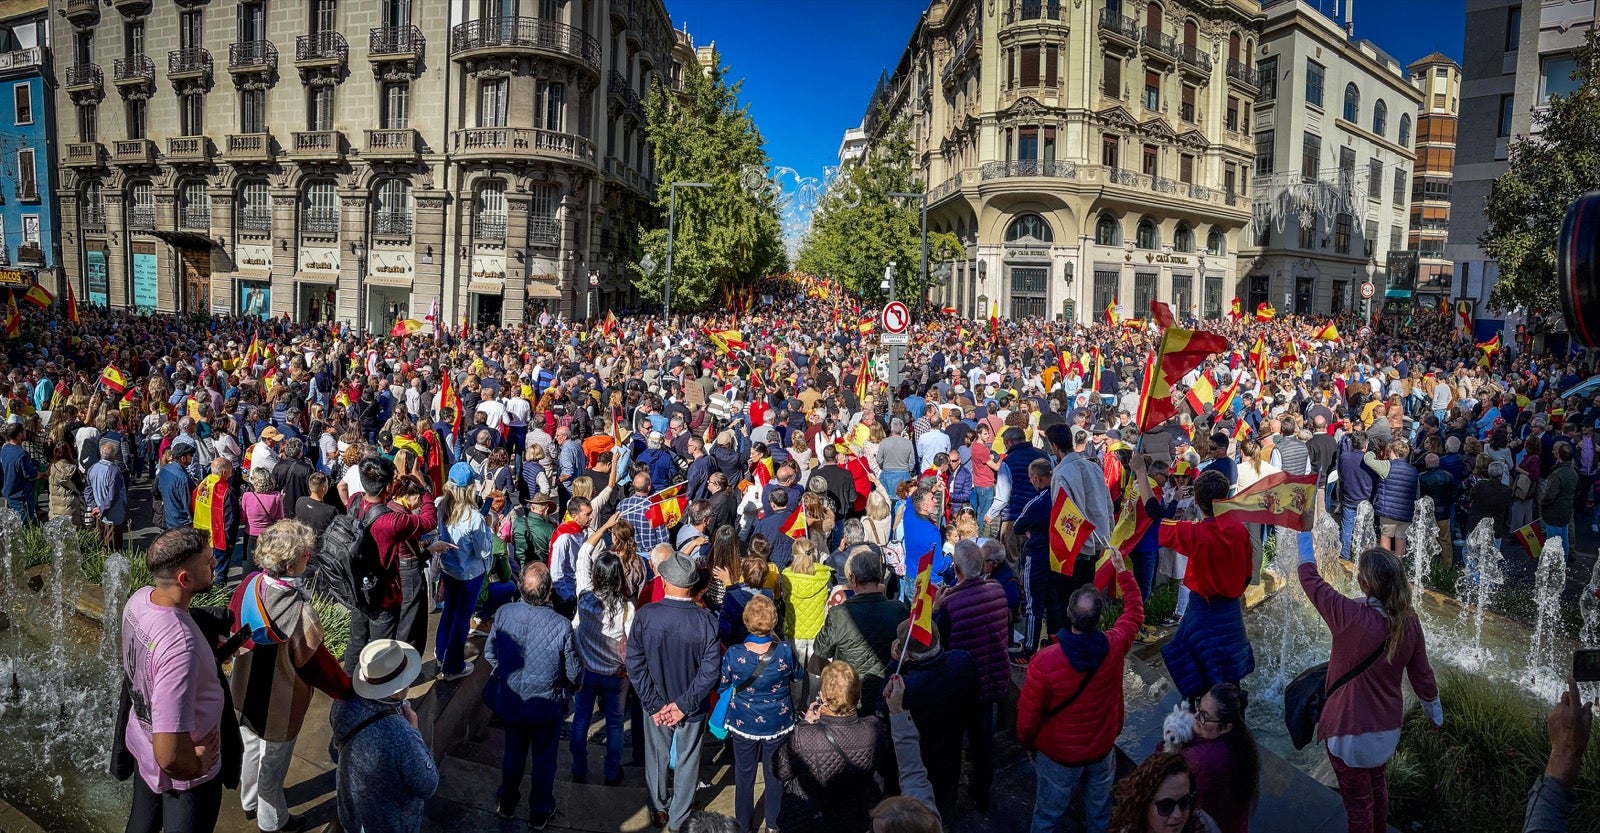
x,y
1195,58
397,144
82,12
319,221
254,218
1028,167
249,147
321,48
252,56
401,45
1159,43
84,78
141,216
502,143
85,154
133,152
197,217
516,34
489,227
92,217
133,70
391,223
188,150
321,145
617,85
1026,10
544,231
1245,74
1116,28
132,8
188,63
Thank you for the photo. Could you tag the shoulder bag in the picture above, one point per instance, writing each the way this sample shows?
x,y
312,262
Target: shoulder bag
x,y
1306,696
718,721
1062,706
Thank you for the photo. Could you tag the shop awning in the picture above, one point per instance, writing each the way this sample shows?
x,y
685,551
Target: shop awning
x,y
487,287
541,289
260,275
381,279
185,239
316,277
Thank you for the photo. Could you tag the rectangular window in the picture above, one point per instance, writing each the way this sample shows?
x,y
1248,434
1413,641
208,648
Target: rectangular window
x,y
319,108
1028,144
1507,109
396,105
492,103
1186,108
1152,90
1052,57
1105,289
1151,157
1029,280
1011,69
1144,289
1555,77
1308,237
324,16
252,21
1394,238
1400,181
1513,28
191,114
1438,101
24,102
1049,144
1267,77
1371,242
133,43
190,31
137,118
1314,74
252,111
1213,300
1375,180
1230,179
550,99
88,123
1109,145
1113,76
1231,120
27,175
1341,233
1311,156
1186,168
1028,75
1264,152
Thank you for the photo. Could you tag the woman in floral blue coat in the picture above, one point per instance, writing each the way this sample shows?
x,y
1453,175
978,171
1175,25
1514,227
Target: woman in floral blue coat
x,y
760,670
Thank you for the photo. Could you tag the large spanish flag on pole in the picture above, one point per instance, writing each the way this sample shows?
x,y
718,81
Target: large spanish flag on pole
x,y
1179,352
72,304
1276,500
1327,333
1258,359
922,605
1069,531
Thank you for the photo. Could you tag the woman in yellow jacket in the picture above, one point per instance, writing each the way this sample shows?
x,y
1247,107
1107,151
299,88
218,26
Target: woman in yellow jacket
x,y
805,595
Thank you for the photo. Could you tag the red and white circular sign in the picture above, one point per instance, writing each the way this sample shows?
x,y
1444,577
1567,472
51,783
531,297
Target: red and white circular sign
x,y
896,318
1368,290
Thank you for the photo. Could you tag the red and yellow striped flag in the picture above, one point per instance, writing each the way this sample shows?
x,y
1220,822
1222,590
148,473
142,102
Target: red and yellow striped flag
x,y
1327,333
1179,352
1265,312
1069,531
112,378
1531,537
922,605
1201,394
1275,500
72,304
38,296
666,512
795,527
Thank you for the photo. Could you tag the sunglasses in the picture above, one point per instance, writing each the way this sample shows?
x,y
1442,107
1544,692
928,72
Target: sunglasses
x,y
1183,804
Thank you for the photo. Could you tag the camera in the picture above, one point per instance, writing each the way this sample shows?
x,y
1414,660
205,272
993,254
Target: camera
x,y
1578,269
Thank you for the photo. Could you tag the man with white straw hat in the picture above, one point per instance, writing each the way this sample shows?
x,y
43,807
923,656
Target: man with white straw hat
x,y
385,770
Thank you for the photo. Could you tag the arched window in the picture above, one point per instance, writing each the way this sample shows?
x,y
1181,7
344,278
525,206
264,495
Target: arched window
x,y
1352,104
94,206
1183,239
1405,130
1029,225
194,206
1107,232
1380,117
319,211
1216,244
255,207
1147,238
489,211
1233,47
141,205
391,208
1152,19
1191,33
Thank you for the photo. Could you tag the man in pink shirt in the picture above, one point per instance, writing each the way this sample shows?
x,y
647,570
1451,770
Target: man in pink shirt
x,y
174,727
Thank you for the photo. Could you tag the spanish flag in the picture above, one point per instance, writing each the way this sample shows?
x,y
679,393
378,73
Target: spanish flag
x,y
649,329
726,341
863,377
1490,350
795,527
1069,531
253,352
13,320
950,310
447,399
666,512
1241,429
1275,500
922,604
405,327
1201,395
38,296
1531,537
112,378
761,470
1097,366
1234,313
210,497
609,324
72,304
1162,314
994,317
1265,312
1327,333
866,325
1179,352
1290,357
1258,358
1112,318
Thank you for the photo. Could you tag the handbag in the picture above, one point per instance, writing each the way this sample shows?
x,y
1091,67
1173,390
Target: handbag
x,y
1306,695
718,721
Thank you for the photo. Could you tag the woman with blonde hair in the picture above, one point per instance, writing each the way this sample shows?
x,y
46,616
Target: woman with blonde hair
x,y
760,670
463,564
537,476
835,765
819,516
877,524
805,584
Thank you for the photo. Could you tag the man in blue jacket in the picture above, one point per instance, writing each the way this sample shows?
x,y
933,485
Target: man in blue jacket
x,y
175,487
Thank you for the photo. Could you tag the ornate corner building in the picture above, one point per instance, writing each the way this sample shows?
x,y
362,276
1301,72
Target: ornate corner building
x,y
358,160
1085,152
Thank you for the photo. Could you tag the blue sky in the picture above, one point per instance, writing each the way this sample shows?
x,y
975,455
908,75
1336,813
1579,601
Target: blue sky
x,y
809,65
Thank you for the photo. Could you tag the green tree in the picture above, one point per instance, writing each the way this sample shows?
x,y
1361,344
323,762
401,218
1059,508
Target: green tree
x,y
728,236
858,228
1546,173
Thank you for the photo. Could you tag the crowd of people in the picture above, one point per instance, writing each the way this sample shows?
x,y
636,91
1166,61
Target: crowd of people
x,y
734,536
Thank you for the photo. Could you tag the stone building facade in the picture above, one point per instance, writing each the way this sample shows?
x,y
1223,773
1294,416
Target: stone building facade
x,y
1439,79
358,160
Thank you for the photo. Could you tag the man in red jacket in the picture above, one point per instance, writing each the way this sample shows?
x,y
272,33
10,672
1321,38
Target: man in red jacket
x,y
1071,709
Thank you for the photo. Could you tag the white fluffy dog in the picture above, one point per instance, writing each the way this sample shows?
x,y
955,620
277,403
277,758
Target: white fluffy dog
x,y
1178,727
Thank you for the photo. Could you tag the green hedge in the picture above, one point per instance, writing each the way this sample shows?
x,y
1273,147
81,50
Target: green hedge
x,y
1474,773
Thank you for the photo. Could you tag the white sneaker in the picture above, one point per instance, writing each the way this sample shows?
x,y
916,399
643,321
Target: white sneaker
x,y
466,671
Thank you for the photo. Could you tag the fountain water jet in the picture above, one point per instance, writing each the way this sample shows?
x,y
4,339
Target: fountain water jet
x,y
1477,588
1365,534
1422,544
1550,579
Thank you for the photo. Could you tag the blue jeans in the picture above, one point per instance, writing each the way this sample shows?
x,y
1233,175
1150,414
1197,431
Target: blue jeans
x,y
982,499
891,479
450,644
1058,785
23,508
224,562
1347,528
1563,532
1144,569
608,690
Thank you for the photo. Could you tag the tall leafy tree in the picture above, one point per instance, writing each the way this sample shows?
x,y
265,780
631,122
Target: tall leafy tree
x,y
858,228
728,236
1546,173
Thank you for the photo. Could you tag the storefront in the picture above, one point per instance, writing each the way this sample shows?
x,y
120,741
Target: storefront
x,y
386,305
485,305
545,296
255,298
315,303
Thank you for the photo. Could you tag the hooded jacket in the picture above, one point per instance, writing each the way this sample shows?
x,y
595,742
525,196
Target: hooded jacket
x,y
805,601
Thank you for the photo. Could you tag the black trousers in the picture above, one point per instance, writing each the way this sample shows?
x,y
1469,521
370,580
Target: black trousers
x,y
364,628
412,628
186,811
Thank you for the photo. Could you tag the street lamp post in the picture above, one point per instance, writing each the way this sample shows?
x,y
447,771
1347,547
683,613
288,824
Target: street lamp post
x,y
1366,303
672,222
588,297
359,249
923,276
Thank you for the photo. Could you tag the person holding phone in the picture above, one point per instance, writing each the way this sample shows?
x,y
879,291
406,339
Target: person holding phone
x,y
401,605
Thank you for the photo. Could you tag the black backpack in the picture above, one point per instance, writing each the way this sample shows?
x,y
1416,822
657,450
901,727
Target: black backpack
x,y
346,562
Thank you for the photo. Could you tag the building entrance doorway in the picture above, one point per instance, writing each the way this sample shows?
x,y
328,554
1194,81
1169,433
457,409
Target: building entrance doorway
x,y
196,280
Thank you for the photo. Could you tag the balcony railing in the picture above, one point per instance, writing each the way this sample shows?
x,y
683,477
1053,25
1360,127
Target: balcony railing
x,y
1033,10
523,141
134,69
319,221
1160,42
82,9
526,33
142,216
250,146
944,189
133,152
92,217
321,47
188,62
1029,167
1196,57
195,217
252,55
489,227
84,154
1244,73
391,223
545,230
188,149
84,75
394,143
958,58
1112,23
395,41
318,144
254,218
617,85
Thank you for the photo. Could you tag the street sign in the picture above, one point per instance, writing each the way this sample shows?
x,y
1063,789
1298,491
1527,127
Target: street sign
x,y
896,318
1365,332
1368,290
896,339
